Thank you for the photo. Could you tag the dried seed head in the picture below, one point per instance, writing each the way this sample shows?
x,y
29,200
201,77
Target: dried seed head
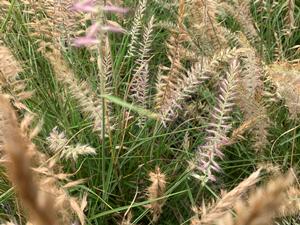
x,y
156,190
9,66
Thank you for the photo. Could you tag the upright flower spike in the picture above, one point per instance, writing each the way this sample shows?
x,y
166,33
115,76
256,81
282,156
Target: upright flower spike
x,y
220,125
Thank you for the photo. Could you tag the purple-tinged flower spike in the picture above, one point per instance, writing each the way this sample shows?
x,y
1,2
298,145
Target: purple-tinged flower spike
x,y
207,164
93,30
90,6
111,28
91,37
85,41
85,6
115,9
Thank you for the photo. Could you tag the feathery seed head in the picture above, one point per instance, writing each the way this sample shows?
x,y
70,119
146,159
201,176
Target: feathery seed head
x,y
59,144
9,66
228,200
156,190
262,205
220,125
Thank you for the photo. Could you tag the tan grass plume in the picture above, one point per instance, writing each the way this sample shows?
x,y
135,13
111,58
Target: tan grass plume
x,y
262,205
89,103
154,191
285,77
17,149
59,145
38,183
228,200
10,82
251,93
241,11
290,18
9,66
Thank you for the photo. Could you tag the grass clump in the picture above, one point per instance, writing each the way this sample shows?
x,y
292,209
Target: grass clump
x,y
149,112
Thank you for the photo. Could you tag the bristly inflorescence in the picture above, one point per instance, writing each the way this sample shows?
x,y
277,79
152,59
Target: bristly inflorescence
x,y
173,89
107,77
136,28
89,103
207,215
156,190
262,205
220,124
59,145
290,25
92,7
10,83
139,86
169,85
251,93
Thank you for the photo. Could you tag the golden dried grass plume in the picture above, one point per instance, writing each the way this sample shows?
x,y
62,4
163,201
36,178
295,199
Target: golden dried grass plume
x,y
207,216
156,190
10,83
38,187
263,204
18,151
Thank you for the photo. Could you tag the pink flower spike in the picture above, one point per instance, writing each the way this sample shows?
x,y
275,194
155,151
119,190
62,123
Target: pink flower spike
x,y
93,29
214,168
85,41
215,165
85,6
113,29
212,178
115,9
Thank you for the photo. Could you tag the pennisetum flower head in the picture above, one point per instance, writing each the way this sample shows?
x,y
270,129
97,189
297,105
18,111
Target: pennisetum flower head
x,y
91,37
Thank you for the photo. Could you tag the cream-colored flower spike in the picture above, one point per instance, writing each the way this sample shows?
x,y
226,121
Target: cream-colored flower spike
x,y
9,66
59,144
